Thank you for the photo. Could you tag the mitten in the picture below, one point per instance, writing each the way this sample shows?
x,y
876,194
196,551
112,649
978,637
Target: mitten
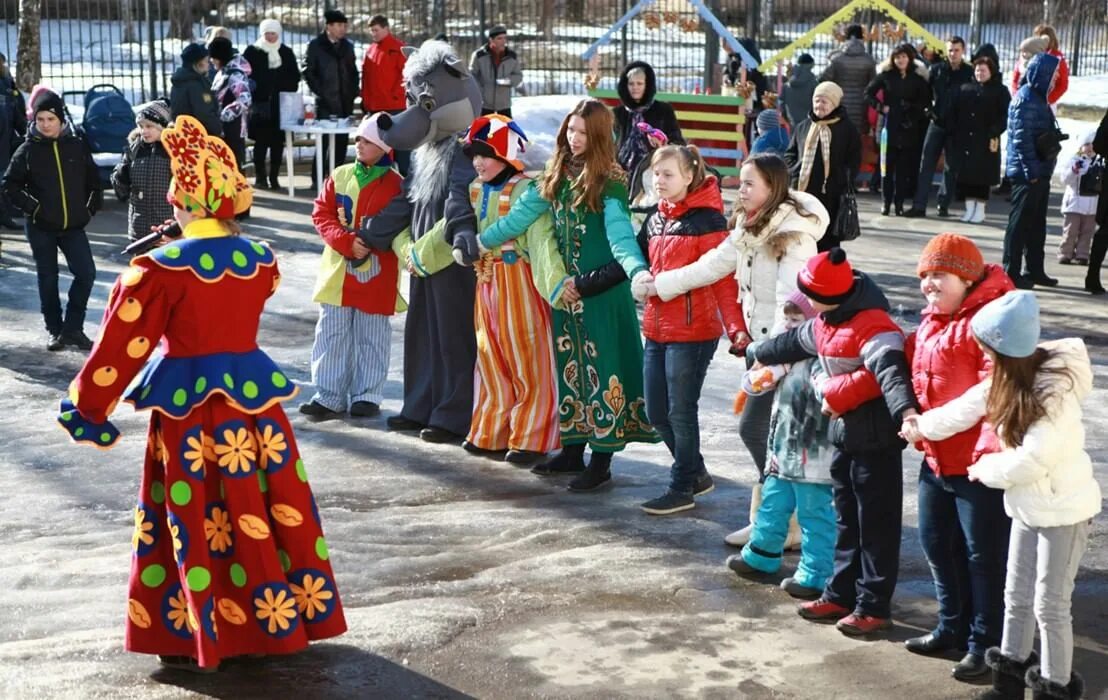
x,y
467,248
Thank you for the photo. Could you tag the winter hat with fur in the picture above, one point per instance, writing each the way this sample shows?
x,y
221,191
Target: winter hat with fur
x,y
1009,325
827,277
949,252
829,91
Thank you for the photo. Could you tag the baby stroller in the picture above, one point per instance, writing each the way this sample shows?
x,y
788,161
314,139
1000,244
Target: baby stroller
x,y
107,120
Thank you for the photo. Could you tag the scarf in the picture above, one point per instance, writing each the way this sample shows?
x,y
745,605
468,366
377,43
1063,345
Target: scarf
x,y
818,135
273,51
366,174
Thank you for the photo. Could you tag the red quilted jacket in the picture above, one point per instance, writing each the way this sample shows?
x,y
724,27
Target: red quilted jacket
x,y
677,235
945,362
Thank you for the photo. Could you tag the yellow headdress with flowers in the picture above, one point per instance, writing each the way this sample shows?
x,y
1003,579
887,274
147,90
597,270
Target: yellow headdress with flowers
x,y
206,179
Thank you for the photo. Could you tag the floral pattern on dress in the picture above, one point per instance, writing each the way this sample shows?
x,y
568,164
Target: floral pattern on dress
x,y
314,594
178,617
235,449
218,530
180,538
197,451
273,448
275,609
146,531
207,620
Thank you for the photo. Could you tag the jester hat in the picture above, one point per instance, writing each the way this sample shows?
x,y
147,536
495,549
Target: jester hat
x,y
496,136
206,179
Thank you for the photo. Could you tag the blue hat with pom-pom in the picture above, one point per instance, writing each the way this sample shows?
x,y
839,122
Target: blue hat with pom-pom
x,y
1009,325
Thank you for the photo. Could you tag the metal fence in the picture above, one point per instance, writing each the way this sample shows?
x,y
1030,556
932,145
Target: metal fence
x,y
134,44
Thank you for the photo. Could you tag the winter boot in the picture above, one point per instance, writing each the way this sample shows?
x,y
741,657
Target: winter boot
x,y
739,538
971,206
978,212
597,474
1046,689
792,540
1096,259
1008,676
571,460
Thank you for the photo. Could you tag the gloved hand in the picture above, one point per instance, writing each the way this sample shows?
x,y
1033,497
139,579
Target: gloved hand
x,y
642,285
467,247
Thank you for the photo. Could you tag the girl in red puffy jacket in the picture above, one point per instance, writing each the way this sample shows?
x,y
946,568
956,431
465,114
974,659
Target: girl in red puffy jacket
x,y
682,333
962,525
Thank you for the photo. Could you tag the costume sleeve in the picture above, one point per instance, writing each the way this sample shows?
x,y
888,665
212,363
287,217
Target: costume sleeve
x,y
621,235
431,253
712,266
548,271
458,211
525,211
955,416
726,290
134,321
379,230
326,220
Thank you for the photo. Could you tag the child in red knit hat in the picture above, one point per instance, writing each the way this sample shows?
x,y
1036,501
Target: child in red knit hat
x,y
867,392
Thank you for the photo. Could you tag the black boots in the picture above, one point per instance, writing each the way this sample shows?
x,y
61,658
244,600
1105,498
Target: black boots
x,y
571,460
596,475
1043,689
1008,676
1096,259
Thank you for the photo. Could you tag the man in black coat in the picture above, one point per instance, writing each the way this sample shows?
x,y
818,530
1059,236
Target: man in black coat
x,y
946,79
191,91
332,75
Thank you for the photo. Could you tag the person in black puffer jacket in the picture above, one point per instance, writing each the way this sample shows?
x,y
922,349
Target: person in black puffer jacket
x,y
1029,118
143,175
905,101
191,93
54,180
637,88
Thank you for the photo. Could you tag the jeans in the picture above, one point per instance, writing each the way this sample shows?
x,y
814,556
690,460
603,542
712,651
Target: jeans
x,y
934,143
1042,564
1025,237
964,533
816,517
869,493
673,374
78,257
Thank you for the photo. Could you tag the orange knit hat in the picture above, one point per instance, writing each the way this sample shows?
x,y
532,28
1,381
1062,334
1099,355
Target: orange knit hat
x,y
949,252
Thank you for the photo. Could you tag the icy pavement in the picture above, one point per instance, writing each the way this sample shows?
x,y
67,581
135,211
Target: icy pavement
x,y
462,576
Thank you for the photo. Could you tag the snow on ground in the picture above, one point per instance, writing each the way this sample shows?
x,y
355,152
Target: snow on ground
x,y
1087,91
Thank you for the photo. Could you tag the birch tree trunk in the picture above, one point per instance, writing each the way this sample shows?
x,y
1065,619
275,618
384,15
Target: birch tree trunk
x,y
28,69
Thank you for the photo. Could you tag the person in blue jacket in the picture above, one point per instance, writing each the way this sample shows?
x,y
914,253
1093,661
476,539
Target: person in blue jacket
x,y
1029,169
772,137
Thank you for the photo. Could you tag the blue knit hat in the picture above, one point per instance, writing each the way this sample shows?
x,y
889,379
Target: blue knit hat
x,y
1009,325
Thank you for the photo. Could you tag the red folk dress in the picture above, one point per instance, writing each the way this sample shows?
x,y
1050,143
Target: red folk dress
x,y
228,551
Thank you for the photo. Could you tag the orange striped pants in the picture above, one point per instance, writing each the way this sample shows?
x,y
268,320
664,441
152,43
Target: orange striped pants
x,y
515,393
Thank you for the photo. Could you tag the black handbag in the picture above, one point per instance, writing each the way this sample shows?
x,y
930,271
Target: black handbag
x,y
846,227
1049,143
1090,183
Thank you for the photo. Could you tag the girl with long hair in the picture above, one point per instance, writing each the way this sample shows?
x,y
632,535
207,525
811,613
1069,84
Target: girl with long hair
x,y
597,340
774,231
1032,397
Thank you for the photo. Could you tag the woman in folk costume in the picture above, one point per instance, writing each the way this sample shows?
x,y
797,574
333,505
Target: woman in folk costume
x,y
515,406
597,342
229,557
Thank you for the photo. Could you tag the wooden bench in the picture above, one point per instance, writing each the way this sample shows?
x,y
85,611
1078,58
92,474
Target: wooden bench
x,y
713,123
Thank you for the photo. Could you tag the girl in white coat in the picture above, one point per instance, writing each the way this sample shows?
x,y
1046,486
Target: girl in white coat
x,y
1033,399
774,232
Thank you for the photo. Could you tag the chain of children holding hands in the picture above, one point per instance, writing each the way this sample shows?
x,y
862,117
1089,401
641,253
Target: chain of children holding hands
x,y
230,557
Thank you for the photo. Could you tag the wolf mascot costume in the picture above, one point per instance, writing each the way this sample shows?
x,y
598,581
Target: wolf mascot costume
x,y
439,344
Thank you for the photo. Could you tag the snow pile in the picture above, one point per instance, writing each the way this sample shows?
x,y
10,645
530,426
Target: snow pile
x,y
1087,91
541,118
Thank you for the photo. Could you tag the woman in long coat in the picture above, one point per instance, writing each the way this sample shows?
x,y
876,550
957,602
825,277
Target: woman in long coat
x,y
274,70
902,93
978,117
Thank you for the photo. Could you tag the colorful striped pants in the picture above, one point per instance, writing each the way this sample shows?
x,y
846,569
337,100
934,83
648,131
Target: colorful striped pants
x,y
515,394
350,356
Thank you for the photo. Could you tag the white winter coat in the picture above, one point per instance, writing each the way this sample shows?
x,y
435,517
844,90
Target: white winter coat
x,y
765,265
1048,480
1073,202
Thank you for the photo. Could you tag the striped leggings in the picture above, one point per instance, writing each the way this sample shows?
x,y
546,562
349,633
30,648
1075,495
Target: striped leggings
x,y
515,397
350,356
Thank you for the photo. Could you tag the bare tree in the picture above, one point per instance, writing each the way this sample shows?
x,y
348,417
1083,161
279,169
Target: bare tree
x,y
28,68
546,20
127,16
181,19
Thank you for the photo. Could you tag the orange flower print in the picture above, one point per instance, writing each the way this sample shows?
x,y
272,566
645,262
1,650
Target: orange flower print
x,y
271,445
236,453
310,598
157,445
217,530
199,449
180,615
277,610
143,535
